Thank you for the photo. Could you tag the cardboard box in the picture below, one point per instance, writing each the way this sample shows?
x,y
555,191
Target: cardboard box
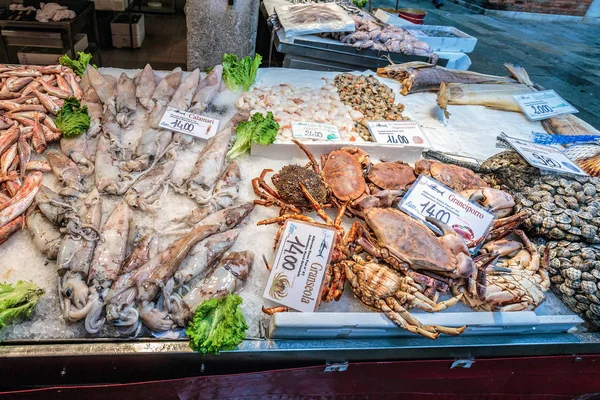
x,y
42,56
120,25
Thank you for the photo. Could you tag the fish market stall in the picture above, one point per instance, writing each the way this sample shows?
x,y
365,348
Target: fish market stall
x,y
136,234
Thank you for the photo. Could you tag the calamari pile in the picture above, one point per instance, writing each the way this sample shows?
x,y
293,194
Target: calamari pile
x,y
290,104
369,96
370,34
394,262
111,270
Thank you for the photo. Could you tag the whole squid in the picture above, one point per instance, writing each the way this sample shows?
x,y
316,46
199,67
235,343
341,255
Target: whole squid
x,y
67,172
146,193
207,90
126,101
73,263
105,90
228,276
151,147
46,237
106,263
145,87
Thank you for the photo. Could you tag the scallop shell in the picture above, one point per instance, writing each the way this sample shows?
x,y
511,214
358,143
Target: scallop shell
x,y
581,197
572,274
585,215
545,187
560,203
526,202
576,186
561,191
570,191
573,246
593,298
562,218
545,214
549,223
595,273
593,211
569,300
589,231
575,220
574,231
556,233
589,189
583,298
571,237
564,183
557,279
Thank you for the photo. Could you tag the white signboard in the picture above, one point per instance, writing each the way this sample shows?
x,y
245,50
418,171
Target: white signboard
x,y
544,157
429,198
400,133
189,123
300,264
543,105
315,130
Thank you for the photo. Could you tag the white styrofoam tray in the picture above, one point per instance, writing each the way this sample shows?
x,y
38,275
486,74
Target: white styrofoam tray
x,y
460,43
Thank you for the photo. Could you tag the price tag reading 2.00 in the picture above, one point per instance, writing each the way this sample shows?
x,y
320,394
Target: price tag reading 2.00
x,y
429,198
542,105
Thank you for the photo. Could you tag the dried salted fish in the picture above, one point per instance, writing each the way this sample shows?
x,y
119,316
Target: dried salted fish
x,y
568,125
483,94
418,76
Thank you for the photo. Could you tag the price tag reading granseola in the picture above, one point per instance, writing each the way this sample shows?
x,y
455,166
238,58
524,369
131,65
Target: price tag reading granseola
x,y
189,123
544,157
429,198
300,263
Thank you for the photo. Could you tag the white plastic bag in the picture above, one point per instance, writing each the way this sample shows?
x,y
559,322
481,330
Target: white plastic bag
x,y
306,19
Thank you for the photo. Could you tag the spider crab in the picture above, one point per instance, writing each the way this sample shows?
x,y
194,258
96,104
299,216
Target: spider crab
x,y
412,248
334,277
382,289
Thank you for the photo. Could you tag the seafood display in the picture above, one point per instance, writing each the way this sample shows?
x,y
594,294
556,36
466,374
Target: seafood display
x,y
373,99
139,231
370,34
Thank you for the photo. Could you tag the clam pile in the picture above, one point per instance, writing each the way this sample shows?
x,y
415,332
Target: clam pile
x,y
574,271
561,208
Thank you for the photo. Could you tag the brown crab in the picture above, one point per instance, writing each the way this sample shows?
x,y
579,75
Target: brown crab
x,y
335,278
520,287
453,176
410,246
383,289
396,175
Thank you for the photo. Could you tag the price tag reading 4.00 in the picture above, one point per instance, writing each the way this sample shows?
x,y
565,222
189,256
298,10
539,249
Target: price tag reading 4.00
x,y
429,198
399,133
544,157
189,123
543,105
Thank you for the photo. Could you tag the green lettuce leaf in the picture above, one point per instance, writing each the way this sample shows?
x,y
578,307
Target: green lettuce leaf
x,y
240,74
78,66
17,301
72,119
218,324
259,129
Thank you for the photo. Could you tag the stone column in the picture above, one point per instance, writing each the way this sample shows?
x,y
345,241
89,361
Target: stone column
x,y
214,27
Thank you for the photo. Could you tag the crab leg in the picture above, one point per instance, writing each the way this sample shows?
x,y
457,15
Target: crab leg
x,y
274,310
397,314
313,163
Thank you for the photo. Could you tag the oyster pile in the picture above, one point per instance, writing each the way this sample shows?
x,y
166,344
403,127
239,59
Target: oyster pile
x,y
574,271
561,208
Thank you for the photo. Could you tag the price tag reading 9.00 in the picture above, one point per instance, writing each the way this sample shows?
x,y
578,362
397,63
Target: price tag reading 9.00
x,y
429,198
544,157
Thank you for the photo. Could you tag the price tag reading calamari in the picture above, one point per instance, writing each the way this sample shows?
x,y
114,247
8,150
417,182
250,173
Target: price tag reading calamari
x,y
398,133
544,157
189,123
429,198
543,105
300,263
315,130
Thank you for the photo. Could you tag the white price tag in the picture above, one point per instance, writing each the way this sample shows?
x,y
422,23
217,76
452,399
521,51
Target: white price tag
x,y
544,157
300,264
400,133
429,198
189,123
315,130
543,105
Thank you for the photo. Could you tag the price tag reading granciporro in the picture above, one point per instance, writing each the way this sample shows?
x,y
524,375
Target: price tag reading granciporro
x,y
189,123
300,263
544,157
429,198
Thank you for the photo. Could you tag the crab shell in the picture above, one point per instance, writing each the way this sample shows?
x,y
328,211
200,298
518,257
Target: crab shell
x,y
343,173
287,183
412,242
453,176
396,175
